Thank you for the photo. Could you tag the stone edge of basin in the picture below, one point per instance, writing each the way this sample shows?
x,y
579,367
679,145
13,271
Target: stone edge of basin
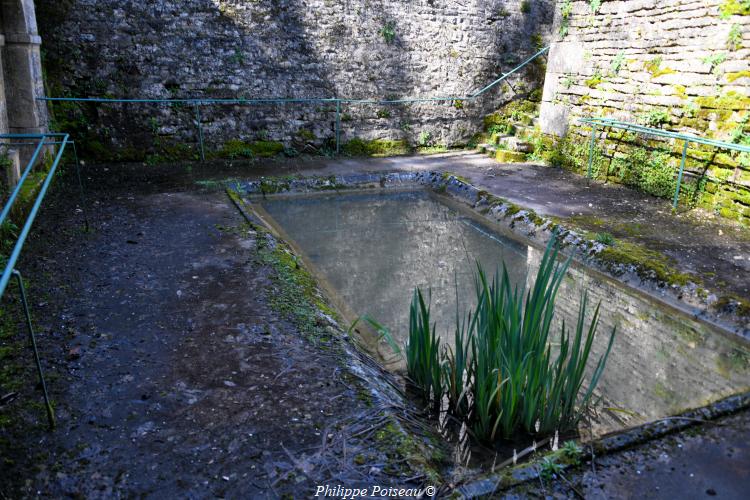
x,y
529,225
608,444
525,223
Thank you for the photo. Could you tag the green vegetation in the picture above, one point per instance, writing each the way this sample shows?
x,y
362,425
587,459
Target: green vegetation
x,y
648,264
655,117
594,5
734,39
383,113
525,6
377,147
714,60
549,468
654,66
388,32
649,171
502,375
566,8
425,139
734,7
235,148
595,79
617,63
605,238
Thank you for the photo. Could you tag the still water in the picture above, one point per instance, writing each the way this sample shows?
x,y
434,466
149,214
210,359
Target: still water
x,y
373,248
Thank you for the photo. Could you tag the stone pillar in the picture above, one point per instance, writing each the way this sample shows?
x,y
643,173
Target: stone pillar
x,y
23,68
12,170
565,58
3,111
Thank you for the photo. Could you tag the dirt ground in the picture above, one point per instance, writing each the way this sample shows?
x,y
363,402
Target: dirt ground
x,y
175,373
172,373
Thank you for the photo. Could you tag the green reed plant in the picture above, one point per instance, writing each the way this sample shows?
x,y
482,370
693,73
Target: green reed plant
x,y
423,357
502,375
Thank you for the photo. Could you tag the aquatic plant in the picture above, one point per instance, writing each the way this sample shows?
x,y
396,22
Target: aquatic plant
x,y
423,361
502,375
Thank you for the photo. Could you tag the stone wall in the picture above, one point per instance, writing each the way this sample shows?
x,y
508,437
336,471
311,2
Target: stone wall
x,y
285,48
681,65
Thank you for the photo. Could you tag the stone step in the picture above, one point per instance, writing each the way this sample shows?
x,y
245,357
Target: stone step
x,y
504,156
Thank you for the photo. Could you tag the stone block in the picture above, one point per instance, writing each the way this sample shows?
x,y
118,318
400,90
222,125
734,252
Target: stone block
x,y
12,170
553,119
566,57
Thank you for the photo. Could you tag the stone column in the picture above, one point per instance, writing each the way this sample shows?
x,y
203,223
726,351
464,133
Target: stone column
x,y
565,58
23,68
3,112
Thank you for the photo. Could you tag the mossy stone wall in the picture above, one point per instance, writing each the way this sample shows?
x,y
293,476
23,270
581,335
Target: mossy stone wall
x,y
680,65
361,49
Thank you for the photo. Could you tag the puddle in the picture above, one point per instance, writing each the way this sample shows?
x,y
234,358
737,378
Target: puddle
x,y
371,249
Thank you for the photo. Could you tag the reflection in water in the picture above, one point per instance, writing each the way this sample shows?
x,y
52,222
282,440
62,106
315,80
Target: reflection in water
x,y
375,248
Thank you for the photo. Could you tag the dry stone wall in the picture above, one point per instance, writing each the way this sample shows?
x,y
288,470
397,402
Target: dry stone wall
x,y
284,48
681,65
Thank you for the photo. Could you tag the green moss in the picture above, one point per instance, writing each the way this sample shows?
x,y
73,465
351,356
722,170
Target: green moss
x,y
305,135
510,156
400,447
735,7
732,100
732,77
377,147
236,148
648,264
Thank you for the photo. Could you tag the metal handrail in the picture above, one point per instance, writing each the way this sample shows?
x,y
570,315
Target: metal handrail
x,y
198,102
40,141
595,123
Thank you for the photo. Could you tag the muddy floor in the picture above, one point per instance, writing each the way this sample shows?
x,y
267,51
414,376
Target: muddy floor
x,y
172,373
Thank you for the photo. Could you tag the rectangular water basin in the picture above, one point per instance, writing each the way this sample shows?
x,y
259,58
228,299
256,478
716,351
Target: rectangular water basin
x,y
372,248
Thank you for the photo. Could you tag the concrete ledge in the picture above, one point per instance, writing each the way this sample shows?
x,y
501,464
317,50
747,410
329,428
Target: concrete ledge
x,y
22,38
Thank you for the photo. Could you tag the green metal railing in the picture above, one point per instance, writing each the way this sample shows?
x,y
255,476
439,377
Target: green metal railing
x,y
197,103
40,142
609,123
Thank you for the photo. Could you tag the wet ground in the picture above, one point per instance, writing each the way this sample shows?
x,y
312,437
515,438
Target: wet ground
x,y
712,460
175,374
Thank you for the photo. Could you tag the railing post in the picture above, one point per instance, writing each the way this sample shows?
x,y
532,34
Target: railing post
x,y
200,129
591,151
338,126
80,187
29,326
679,176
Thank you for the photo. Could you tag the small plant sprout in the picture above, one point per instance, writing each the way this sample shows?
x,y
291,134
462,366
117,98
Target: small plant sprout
x,y
572,452
595,5
549,469
605,238
617,63
734,39
715,60
388,32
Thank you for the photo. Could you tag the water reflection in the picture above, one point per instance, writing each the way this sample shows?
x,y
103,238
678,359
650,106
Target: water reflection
x,y
375,248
